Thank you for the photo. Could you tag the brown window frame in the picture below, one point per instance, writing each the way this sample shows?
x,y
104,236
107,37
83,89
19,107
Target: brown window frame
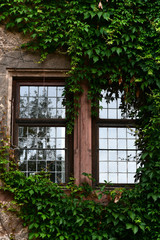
x,y
102,122
50,122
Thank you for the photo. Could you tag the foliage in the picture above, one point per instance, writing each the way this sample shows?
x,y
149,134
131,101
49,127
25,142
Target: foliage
x,y
113,41
73,212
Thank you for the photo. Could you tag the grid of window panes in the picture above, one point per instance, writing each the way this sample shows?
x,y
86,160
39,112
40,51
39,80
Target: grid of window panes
x,y
117,155
41,102
42,149
117,151
111,107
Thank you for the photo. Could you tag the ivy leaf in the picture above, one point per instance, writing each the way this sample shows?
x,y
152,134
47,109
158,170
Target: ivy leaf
x,y
90,53
95,59
99,14
108,53
133,227
132,215
119,50
18,20
86,15
106,16
31,192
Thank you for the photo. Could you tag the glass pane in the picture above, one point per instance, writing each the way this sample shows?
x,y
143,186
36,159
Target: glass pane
x,y
102,177
122,167
112,155
102,167
33,91
112,167
102,144
61,132
132,167
102,155
122,178
112,132
112,113
51,91
122,144
120,156
102,132
41,102
42,152
122,132
113,177
103,113
41,166
112,143
23,91
131,178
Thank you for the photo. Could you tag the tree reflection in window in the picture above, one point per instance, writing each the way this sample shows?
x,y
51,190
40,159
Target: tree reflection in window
x,y
43,149
41,102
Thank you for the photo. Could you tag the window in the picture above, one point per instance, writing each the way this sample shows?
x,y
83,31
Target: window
x,y
115,152
40,127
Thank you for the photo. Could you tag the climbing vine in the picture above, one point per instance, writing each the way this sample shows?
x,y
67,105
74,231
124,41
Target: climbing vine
x,y
51,213
112,44
107,41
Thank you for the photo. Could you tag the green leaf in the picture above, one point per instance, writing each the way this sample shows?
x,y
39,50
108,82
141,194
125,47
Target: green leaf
x,y
95,59
135,229
18,20
99,14
108,53
90,53
34,35
132,215
106,15
119,50
31,192
31,235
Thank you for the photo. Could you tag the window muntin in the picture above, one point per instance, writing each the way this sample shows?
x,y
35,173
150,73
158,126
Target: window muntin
x,y
41,102
112,107
39,128
117,155
117,152
42,149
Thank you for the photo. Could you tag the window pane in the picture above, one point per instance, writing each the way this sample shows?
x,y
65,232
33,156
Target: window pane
x,y
118,159
111,107
41,102
42,148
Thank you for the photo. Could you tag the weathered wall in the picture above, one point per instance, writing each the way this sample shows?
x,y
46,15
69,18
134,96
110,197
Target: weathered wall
x,y
11,227
14,58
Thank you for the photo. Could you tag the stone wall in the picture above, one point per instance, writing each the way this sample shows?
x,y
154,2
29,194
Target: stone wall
x,y
13,58
11,226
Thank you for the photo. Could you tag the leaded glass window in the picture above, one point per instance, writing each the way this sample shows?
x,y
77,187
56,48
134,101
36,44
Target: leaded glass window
x,y
117,153
40,128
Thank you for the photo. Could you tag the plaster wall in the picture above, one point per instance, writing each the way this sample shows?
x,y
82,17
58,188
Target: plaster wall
x,y
14,58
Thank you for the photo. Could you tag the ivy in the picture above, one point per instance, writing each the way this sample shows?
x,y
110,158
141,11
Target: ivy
x,y
51,213
108,41
112,44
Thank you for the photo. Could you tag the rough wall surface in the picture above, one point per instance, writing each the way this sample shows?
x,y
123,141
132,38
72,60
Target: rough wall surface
x,y
11,227
13,57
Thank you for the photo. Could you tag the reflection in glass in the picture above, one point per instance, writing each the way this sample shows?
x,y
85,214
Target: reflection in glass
x,y
111,107
41,102
42,149
117,154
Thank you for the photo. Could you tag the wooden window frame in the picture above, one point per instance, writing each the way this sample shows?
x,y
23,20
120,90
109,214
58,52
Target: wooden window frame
x,y
96,124
50,122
